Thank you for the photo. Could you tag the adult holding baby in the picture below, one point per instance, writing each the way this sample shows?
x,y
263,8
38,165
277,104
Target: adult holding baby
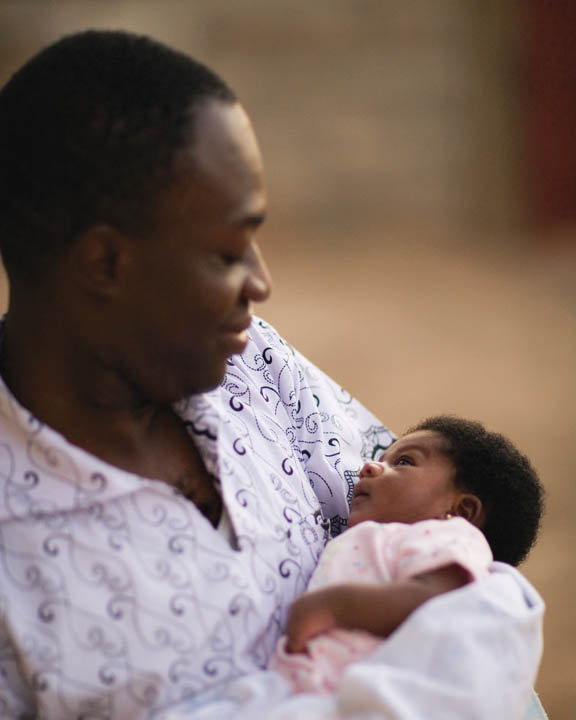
x,y
168,464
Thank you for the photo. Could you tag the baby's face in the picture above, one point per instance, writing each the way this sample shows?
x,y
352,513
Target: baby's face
x,y
411,481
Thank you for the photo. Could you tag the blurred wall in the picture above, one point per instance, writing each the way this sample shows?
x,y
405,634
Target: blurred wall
x,y
367,110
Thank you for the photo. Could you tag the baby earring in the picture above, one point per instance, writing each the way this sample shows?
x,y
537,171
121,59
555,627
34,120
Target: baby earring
x,y
448,515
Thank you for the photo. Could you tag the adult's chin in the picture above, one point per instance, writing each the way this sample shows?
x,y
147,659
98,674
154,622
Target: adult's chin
x,y
210,381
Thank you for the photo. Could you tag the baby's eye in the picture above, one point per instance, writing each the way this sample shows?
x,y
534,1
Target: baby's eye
x,y
404,460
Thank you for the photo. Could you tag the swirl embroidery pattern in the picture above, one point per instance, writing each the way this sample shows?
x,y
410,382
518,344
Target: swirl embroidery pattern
x,y
117,596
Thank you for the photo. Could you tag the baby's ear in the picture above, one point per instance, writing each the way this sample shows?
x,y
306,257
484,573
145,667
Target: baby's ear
x,y
470,507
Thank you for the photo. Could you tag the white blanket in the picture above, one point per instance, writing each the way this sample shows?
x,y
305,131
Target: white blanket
x,y
470,654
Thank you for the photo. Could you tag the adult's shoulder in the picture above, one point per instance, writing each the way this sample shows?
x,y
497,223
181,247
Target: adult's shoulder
x,y
301,383
330,432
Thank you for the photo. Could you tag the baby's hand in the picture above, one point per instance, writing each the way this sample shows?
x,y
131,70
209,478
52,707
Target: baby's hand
x,y
376,609
311,614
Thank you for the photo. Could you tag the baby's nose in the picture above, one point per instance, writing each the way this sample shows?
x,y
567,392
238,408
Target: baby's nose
x,y
370,469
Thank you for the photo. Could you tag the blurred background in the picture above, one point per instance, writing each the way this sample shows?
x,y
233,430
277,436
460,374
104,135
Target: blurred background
x,y
421,162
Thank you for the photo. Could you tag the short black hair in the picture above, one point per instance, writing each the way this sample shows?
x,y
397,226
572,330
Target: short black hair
x,y
88,130
489,466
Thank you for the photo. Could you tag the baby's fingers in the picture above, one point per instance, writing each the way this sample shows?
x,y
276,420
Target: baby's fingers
x,y
297,632
309,616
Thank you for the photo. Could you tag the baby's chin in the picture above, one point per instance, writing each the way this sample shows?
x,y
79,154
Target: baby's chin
x,y
354,518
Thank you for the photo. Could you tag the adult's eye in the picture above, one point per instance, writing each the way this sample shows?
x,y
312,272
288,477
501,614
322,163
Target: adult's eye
x,y
229,259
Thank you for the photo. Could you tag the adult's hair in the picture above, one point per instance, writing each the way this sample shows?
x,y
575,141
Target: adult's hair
x,y
489,466
88,130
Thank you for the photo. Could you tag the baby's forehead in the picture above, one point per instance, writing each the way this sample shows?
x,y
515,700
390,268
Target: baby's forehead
x,y
429,442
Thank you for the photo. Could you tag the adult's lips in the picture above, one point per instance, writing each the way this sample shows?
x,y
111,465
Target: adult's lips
x,y
239,326
235,335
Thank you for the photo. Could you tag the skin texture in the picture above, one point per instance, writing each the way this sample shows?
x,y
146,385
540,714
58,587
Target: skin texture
x,y
125,325
412,481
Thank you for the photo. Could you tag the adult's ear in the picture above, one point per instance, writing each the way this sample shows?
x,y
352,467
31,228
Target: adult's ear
x,y
470,507
97,259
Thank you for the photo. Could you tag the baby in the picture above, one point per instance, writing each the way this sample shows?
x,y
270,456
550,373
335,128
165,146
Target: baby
x,y
427,517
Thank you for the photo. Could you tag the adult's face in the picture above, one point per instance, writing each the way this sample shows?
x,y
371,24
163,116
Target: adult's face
x,y
195,272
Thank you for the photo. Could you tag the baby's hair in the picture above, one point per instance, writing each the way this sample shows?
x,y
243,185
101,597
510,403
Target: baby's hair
x,y
489,466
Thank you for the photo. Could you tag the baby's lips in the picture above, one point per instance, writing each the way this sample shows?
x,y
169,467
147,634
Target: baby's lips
x,y
359,490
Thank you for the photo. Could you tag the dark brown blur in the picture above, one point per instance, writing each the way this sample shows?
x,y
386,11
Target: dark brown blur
x,y
407,148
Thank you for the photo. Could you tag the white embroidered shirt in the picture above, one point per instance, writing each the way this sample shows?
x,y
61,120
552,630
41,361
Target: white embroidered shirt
x,y
117,596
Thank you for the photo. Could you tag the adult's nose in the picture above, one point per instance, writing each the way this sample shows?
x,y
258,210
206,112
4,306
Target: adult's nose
x,y
258,281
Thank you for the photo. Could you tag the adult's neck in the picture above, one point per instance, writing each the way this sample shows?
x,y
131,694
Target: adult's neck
x,y
57,375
